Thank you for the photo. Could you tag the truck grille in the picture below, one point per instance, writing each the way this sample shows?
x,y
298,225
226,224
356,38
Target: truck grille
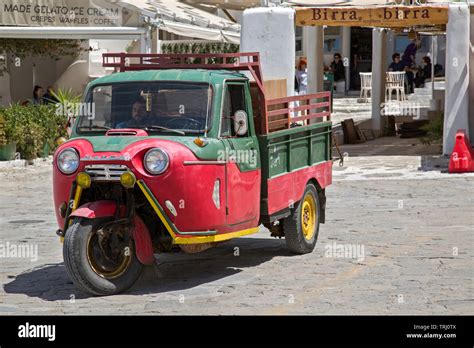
x,y
105,172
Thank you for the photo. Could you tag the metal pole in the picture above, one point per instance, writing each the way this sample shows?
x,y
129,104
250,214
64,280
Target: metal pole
x,y
432,66
34,74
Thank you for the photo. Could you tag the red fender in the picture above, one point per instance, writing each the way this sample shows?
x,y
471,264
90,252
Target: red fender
x,y
141,235
96,209
143,244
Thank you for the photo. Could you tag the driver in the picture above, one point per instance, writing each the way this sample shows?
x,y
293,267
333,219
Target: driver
x,y
139,115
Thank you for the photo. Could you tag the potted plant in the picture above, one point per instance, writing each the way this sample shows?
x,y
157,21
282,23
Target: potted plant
x,y
7,148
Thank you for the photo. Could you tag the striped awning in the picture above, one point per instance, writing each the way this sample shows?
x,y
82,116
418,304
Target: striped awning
x,y
186,20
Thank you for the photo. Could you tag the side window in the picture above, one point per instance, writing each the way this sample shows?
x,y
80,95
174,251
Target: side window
x,y
234,100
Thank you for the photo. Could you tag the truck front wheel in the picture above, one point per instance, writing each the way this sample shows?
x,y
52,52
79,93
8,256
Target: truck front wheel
x,y
301,228
100,260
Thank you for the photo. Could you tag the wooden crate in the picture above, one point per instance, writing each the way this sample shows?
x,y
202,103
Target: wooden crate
x,y
274,88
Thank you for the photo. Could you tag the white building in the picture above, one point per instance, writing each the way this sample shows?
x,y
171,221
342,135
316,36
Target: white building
x,y
105,26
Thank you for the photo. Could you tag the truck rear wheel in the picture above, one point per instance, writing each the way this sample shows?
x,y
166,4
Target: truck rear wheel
x,y
301,228
100,261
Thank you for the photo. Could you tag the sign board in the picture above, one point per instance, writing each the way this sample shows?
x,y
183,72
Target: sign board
x,y
381,16
64,13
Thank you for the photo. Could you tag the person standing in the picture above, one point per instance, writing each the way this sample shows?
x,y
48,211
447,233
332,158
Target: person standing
x,y
409,56
302,81
302,76
354,72
409,59
337,67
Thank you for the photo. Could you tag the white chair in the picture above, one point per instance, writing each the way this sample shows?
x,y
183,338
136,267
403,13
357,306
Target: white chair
x,y
365,86
395,81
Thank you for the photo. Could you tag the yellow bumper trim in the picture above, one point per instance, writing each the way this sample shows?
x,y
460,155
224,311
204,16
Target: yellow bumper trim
x,y
215,238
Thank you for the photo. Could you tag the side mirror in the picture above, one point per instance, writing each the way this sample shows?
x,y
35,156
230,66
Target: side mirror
x,y
240,122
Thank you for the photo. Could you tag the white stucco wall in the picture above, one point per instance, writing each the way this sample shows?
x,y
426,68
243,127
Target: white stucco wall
x,y
271,31
457,75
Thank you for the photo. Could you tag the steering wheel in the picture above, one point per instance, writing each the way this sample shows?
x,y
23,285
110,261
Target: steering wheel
x,y
184,123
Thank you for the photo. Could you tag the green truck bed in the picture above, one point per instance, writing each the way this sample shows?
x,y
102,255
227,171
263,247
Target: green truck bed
x,y
288,151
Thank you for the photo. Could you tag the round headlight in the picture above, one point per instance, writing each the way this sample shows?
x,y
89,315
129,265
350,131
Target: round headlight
x,y
68,161
156,161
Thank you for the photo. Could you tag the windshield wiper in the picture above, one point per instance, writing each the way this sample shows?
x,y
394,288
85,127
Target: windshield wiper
x,y
94,126
152,127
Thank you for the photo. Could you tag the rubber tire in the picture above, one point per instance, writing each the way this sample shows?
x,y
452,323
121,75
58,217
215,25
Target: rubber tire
x,y
295,239
79,269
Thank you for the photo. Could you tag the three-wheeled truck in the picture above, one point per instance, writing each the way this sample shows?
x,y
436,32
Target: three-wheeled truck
x,y
184,152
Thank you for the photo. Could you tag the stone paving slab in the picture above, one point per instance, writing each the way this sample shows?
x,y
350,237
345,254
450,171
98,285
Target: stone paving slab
x,y
416,228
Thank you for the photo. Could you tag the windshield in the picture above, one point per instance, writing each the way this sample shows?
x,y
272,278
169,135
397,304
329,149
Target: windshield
x,y
157,106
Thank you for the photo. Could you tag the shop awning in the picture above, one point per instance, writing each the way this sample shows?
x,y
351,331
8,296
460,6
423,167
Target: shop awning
x,y
114,33
317,3
230,5
185,20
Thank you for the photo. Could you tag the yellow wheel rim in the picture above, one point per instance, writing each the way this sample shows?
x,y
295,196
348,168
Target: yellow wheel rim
x,y
308,216
101,271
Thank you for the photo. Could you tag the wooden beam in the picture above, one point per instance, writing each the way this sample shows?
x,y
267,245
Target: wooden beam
x,y
380,16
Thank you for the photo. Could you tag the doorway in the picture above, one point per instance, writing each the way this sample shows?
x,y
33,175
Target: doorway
x,y
361,54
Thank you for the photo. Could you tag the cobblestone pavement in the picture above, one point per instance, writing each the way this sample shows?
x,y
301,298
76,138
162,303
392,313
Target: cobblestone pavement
x,y
414,223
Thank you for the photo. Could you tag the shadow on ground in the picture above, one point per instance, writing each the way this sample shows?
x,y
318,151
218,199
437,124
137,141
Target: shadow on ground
x,y
173,271
390,146
437,163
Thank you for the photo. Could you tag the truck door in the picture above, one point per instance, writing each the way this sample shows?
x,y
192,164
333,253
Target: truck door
x,y
242,157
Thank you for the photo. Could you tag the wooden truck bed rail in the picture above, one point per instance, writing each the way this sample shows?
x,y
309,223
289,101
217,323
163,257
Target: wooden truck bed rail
x,y
281,114
249,61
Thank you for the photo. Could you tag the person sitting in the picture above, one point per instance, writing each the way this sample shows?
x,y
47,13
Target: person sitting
x,y
424,72
49,97
400,65
38,95
397,63
139,115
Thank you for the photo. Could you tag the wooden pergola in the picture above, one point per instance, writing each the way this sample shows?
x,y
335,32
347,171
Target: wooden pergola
x,y
429,19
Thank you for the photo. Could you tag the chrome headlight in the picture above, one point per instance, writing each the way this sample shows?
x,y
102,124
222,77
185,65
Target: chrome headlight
x,y
68,161
156,161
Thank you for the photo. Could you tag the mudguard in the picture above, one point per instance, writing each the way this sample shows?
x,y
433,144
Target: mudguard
x,y
141,235
97,209
143,243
